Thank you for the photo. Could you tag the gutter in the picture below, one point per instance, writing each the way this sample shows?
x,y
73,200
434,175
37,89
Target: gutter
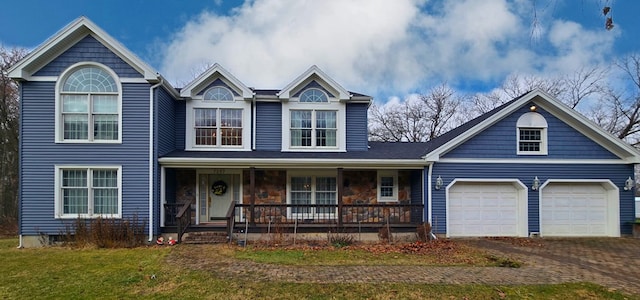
x,y
151,151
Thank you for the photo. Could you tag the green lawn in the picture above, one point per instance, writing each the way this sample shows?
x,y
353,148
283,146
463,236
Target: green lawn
x,y
64,273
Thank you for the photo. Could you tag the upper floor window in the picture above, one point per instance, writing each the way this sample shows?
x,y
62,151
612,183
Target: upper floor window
x,y
89,107
313,95
532,134
218,93
313,128
218,127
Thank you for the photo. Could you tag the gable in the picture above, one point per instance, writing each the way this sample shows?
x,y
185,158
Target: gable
x,y
568,121
216,74
88,49
499,141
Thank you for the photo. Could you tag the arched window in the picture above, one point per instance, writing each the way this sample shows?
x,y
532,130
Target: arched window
x,y
89,105
218,93
313,95
532,134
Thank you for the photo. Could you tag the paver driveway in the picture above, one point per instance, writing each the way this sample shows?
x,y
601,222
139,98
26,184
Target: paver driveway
x,y
611,262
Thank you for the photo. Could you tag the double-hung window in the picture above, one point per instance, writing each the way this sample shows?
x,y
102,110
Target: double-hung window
x,y
317,195
88,192
532,134
313,128
89,106
387,186
218,126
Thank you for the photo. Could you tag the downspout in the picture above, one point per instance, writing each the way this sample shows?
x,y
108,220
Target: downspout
x,y
20,139
151,151
428,191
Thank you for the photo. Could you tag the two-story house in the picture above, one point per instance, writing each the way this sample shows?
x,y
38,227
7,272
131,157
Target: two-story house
x,y
104,135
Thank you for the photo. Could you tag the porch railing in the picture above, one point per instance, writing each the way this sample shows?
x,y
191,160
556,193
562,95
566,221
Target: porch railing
x,y
310,215
183,218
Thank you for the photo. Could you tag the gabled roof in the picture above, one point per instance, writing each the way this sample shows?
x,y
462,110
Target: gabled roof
x,y
66,38
206,77
285,93
452,139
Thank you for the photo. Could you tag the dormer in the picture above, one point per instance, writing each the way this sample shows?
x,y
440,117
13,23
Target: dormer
x,y
314,113
218,112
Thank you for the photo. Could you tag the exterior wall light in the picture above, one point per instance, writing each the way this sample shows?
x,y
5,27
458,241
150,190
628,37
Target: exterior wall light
x,y
628,184
536,184
439,183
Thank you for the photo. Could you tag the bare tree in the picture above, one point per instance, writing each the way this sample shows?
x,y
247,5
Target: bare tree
x,y
618,110
416,119
582,84
9,133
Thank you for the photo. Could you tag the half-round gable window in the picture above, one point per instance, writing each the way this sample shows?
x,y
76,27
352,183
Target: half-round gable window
x,y
218,93
90,80
532,119
313,95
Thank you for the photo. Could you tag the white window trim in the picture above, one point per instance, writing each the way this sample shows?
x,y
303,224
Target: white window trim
x,y
332,105
543,141
190,139
59,136
388,173
313,175
534,121
58,199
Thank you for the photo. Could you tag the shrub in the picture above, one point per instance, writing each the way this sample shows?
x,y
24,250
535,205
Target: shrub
x,y
105,233
423,232
340,240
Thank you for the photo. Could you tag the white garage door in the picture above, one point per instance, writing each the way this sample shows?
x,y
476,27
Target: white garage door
x,y
483,209
578,209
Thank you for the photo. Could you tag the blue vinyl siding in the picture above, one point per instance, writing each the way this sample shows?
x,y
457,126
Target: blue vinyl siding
x,y
40,154
525,173
357,132
88,49
500,141
268,126
166,120
180,123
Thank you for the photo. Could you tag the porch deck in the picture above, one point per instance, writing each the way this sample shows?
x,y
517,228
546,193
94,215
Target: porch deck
x,y
299,217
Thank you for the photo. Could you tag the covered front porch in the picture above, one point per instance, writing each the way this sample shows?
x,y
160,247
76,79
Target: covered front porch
x,y
290,199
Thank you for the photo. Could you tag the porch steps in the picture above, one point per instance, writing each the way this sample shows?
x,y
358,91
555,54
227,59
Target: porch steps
x,y
205,237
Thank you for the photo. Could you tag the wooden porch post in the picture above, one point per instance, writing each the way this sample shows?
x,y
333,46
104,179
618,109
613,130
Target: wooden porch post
x,y
340,192
252,192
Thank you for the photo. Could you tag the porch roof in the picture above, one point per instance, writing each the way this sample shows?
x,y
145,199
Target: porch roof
x,y
379,154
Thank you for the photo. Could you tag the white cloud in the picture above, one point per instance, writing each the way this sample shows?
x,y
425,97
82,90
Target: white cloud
x,y
381,47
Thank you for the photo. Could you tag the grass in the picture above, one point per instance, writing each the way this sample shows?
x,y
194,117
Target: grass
x,y
57,272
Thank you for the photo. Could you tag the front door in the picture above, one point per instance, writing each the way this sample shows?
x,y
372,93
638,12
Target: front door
x,y
217,192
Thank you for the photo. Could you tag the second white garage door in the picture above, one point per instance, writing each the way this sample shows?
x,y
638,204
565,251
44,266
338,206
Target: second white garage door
x,y
579,209
486,209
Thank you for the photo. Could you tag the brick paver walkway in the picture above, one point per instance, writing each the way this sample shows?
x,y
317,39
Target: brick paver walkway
x,y
611,262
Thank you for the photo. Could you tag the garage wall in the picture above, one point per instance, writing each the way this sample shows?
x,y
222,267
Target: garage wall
x,y
526,173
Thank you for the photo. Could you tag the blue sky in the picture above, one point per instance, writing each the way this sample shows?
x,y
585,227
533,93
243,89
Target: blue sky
x,y
387,49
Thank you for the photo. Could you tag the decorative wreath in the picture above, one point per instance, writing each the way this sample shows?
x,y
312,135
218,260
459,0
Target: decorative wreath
x,y
219,188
